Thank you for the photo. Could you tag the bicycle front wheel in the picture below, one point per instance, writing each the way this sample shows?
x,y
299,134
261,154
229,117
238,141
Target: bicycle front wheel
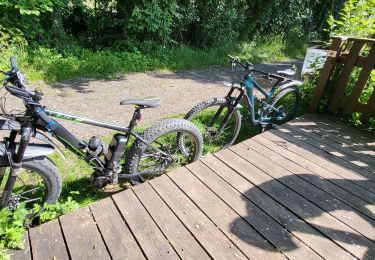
x,y
218,124
164,153
38,182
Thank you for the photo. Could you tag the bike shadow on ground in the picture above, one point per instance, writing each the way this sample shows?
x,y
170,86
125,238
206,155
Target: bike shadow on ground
x,y
306,215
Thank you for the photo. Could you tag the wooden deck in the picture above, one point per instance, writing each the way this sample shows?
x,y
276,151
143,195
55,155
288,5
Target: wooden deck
x,y
304,191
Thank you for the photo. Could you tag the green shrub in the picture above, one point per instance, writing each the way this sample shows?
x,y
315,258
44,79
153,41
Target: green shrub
x,y
12,228
357,19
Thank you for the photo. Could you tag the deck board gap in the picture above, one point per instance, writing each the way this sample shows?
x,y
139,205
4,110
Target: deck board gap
x,y
101,235
128,226
64,238
208,217
176,215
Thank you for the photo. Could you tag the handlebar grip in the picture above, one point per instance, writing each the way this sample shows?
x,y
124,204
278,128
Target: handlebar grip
x,y
13,63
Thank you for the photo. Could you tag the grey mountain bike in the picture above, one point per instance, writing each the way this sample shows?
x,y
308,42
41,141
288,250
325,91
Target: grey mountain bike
x,y
28,176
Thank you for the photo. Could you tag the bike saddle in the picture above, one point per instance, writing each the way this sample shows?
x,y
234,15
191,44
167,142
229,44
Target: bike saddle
x,y
287,72
144,103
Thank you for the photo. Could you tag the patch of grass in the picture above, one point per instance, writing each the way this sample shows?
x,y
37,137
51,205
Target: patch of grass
x,y
49,65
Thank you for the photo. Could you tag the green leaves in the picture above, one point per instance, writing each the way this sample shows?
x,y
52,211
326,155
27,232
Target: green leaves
x,y
154,19
13,223
34,7
357,19
12,228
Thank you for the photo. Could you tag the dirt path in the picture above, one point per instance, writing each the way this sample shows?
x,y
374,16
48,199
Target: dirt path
x,y
100,100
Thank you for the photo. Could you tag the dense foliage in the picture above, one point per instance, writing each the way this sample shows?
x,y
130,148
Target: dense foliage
x,y
357,19
122,24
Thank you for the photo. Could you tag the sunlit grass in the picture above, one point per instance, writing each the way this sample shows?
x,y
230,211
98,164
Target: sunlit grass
x,y
49,65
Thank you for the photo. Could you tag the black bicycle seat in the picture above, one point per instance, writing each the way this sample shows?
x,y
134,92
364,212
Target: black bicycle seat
x,y
144,103
287,72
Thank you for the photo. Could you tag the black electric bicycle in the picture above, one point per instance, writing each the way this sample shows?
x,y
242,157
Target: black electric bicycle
x,y
28,176
219,119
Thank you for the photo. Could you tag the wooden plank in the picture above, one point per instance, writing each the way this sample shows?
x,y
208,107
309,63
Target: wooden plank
x,y
281,238
320,138
364,40
370,108
209,236
341,179
326,146
309,235
117,236
314,150
325,75
361,82
247,239
319,191
154,244
361,60
23,254
82,236
346,237
47,241
284,140
348,146
345,75
334,134
181,239
343,130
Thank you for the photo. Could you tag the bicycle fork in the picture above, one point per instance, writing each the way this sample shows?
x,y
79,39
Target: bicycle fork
x,y
232,106
14,164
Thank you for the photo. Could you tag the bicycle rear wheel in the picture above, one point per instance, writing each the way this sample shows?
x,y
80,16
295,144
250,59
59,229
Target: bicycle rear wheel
x,y
287,102
209,116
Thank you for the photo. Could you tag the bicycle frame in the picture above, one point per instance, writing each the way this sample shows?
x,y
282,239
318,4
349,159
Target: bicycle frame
x,y
72,143
249,83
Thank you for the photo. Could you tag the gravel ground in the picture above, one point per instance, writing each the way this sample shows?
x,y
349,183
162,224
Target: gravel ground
x,y
99,99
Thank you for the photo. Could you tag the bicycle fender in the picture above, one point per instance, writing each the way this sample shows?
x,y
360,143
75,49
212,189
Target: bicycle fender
x,y
44,138
289,84
7,124
32,151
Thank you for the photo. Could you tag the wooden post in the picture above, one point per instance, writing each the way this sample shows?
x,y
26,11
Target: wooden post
x,y
370,108
345,75
333,53
361,83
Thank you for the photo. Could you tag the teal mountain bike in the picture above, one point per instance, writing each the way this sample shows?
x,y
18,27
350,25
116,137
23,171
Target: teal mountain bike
x,y
219,119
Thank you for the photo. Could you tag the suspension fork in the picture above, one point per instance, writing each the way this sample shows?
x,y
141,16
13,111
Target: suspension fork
x,y
232,106
228,97
7,142
16,162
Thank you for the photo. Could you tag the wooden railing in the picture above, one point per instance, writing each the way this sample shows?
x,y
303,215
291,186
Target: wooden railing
x,y
349,52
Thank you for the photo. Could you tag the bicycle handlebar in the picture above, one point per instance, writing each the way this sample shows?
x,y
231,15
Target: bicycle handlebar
x,y
237,60
250,67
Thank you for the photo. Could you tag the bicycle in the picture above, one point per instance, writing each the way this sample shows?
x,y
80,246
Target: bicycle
x,y
219,119
28,176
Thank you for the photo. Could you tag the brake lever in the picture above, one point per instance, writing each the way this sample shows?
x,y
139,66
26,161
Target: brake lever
x,y
249,65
